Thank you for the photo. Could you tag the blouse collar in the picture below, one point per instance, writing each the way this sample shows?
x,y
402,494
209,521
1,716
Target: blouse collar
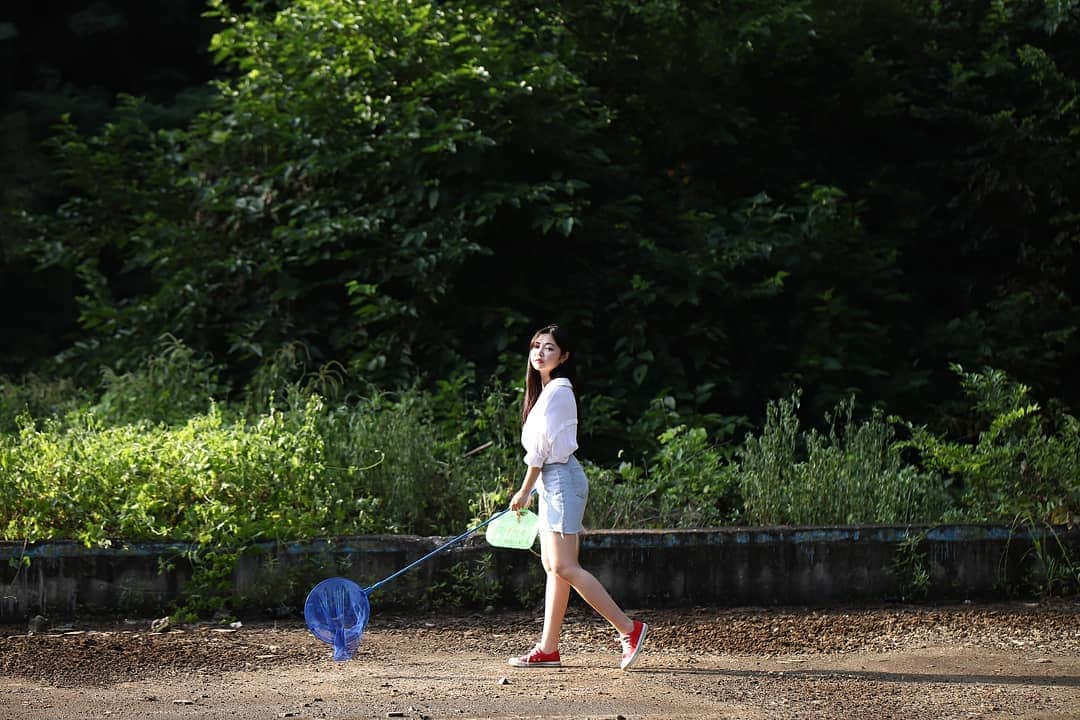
x,y
559,382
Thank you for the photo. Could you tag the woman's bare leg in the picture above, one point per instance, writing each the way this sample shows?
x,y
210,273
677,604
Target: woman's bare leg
x,y
556,596
560,553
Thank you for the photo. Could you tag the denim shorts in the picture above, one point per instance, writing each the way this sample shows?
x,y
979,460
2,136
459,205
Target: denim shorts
x,y
564,490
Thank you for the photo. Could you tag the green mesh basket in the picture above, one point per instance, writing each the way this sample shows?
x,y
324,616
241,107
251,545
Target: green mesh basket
x,y
514,530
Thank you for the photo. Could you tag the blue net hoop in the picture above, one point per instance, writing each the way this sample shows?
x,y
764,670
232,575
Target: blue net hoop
x,y
336,611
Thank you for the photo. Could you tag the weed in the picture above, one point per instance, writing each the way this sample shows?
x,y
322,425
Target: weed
x,y
912,567
466,583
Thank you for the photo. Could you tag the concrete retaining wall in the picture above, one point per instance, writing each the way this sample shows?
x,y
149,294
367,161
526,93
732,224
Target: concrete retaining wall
x,y
650,568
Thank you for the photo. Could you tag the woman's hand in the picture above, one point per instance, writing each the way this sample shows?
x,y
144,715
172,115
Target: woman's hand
x,y
523,497
521,500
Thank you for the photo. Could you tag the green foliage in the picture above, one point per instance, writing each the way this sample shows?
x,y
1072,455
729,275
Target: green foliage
x,y
129,467
170,387
227,478
380,200
35,397
482,430
687,483
851,473
219,484
328,196
1061,569
385,444
756,196
287,377
200,482
376,194
1022,463
113,235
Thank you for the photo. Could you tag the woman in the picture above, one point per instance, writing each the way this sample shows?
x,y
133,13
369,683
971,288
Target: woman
x,y
549,417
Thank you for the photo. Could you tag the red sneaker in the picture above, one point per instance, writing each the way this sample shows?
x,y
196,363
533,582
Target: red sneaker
x,y
632,644
536,658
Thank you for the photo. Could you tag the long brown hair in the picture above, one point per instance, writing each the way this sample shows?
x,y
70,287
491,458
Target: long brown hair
x,y
533,383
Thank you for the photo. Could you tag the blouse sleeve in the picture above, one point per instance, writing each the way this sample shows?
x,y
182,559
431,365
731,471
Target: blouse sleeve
x,y
556,437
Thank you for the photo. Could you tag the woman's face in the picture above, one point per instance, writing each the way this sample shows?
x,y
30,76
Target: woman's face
x,y
546,355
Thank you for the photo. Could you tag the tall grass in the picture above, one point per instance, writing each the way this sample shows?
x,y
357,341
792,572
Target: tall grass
x,y
173,384
851,473
34,397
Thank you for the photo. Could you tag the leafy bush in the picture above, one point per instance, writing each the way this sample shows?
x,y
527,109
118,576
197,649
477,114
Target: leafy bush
x,y
484,460
617,497
687,483
207,481
220,484
384,445
1022,462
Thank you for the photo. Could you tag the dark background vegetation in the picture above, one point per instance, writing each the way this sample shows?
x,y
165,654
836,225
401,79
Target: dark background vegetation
x,y
842,196
74,57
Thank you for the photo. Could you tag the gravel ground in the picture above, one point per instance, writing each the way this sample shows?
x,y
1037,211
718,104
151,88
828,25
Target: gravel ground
x,y
1014,660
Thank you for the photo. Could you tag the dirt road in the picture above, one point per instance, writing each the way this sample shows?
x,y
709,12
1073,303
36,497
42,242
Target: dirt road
x,y
1000,661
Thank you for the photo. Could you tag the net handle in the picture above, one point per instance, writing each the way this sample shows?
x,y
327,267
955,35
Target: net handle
x,y
436,551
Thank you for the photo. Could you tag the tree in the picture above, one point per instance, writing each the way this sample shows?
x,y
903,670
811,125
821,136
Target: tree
x,y
727,200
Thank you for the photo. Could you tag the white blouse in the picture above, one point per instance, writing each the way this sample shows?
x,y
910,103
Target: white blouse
x,y
550,432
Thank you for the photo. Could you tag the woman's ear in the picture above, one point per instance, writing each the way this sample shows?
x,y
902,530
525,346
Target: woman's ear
x,y
565,357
